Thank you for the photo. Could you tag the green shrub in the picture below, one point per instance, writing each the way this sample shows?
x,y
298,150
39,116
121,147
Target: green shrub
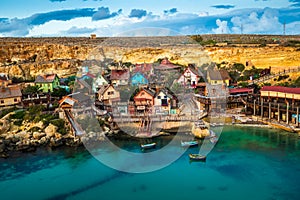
x,y
35,129
280,78
18,122
18,115
60,124
6,111
239,67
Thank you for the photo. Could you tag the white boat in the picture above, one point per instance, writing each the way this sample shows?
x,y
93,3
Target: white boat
x,y
148,146
213,140
189,143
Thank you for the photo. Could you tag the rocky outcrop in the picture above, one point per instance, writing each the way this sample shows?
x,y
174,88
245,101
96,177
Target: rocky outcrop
x,y
27,141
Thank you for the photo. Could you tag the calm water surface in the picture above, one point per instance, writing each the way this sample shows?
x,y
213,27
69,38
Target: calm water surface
x,y
247,163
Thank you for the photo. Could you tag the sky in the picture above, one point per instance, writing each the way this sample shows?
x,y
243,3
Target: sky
x,y
47,18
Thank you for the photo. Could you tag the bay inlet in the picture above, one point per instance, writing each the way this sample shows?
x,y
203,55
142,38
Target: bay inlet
x,y
246,163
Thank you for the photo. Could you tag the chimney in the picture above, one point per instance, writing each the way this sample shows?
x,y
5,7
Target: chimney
x,y
157,88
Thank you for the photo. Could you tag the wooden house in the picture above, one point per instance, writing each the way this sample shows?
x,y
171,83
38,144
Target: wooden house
x,y
138,79
10,95
165,102
108,94
144,100
67,102
47,83
190,77
144,68
218,77
120,77
99,81
4,80
280,94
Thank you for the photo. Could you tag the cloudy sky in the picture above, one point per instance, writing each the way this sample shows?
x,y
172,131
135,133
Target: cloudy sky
x,y
35,18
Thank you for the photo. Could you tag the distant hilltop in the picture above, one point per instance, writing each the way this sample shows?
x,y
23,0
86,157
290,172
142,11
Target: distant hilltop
x,y
206,39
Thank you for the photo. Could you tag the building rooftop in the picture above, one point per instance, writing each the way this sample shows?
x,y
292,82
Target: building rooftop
x,y
120,74
240,90
221,74
281,89
48,78
166,64
10,92
143,68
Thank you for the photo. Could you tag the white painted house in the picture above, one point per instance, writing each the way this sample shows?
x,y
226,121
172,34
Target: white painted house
x,y
99,81
165,102
189,77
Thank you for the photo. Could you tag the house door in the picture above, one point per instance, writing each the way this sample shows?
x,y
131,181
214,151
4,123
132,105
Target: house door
x,y
164,102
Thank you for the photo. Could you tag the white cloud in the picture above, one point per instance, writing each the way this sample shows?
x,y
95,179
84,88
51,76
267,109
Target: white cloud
x,y
222,27
254,21
268,22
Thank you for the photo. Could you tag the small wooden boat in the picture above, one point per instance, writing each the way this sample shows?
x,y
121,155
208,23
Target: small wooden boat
x,y
214,140
189,143
213,137
148,146
197,157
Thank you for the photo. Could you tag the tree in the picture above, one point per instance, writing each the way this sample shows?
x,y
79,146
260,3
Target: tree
x,y
239,67
297,82
243,84
234,75
29,90
59,92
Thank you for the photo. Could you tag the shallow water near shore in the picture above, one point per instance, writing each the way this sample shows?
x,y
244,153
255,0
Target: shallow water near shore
x,y
247,163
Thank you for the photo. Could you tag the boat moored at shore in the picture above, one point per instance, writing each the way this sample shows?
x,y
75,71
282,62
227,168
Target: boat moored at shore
x,y
148,146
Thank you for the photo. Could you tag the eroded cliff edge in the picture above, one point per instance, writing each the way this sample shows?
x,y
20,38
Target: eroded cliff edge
x,y
28,57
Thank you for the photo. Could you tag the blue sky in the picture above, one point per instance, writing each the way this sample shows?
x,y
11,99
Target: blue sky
x,y
35,18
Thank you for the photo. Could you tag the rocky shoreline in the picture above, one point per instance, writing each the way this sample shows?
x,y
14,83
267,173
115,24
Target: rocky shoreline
x,y
29,141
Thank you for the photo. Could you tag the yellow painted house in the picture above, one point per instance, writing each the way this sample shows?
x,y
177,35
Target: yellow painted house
x,y
218,77
108,94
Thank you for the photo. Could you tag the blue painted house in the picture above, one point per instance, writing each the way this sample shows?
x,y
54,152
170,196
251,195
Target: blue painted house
x,y
139,79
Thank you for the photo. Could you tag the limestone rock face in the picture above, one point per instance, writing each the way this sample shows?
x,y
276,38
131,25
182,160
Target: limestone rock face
x,y
37,135
29,57
50,130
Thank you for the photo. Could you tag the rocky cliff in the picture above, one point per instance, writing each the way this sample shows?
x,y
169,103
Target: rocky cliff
x,y
28,57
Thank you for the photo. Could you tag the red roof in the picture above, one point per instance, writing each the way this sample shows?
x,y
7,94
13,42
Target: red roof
x,y
240,90
166,64
281,89
145,67
90,75
119,74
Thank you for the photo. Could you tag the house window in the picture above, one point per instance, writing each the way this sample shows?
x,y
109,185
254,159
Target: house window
x,y
15,100
158,97
142,93
216,82
165,97
2,101
110,93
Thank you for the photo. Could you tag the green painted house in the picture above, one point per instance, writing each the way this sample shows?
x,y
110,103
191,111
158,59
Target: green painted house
x,y
47,83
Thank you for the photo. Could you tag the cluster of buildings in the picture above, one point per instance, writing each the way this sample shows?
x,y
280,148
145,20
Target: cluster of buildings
x,y
12,94
148,91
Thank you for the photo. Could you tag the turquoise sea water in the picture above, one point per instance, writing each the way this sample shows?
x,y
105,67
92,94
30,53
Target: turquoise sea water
x,y
247,163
